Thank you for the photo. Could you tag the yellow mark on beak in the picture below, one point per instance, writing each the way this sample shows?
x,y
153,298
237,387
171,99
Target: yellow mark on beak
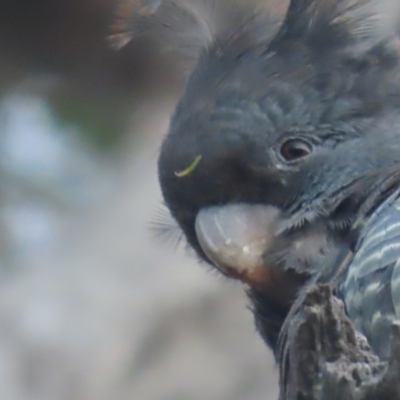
x,y
189,169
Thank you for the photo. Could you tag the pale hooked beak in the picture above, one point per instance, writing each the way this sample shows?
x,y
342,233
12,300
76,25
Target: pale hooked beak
x,y
234,237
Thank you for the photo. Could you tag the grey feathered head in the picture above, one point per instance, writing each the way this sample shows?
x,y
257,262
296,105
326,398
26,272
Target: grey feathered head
x,y
301,119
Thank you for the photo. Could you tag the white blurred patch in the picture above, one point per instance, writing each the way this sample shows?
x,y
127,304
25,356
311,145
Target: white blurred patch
x,y
46,175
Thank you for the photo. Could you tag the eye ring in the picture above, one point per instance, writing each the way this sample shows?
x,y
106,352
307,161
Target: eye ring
x,y
294,149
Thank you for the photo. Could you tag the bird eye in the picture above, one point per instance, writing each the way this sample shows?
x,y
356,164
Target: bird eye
x,y
294,149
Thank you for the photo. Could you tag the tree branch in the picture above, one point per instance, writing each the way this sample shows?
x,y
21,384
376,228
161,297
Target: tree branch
x,y
324,357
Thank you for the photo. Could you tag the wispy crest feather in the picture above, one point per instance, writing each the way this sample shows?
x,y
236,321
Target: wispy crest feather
x,y
191,25
354,25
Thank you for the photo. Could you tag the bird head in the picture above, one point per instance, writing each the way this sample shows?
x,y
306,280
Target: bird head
x,y
303,123
281,136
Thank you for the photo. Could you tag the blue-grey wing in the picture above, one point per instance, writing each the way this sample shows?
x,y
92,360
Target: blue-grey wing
x,y
371,290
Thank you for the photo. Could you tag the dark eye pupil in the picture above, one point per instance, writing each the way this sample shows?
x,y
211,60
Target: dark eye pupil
x,y
294,149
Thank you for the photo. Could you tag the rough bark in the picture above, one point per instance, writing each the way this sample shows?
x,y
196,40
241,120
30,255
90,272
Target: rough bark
x,y
324,358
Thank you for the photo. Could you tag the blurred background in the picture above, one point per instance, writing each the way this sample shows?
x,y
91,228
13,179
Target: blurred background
x,y
92,305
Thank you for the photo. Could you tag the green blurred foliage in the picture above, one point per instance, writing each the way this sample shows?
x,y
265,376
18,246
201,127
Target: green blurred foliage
x,y
101,122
